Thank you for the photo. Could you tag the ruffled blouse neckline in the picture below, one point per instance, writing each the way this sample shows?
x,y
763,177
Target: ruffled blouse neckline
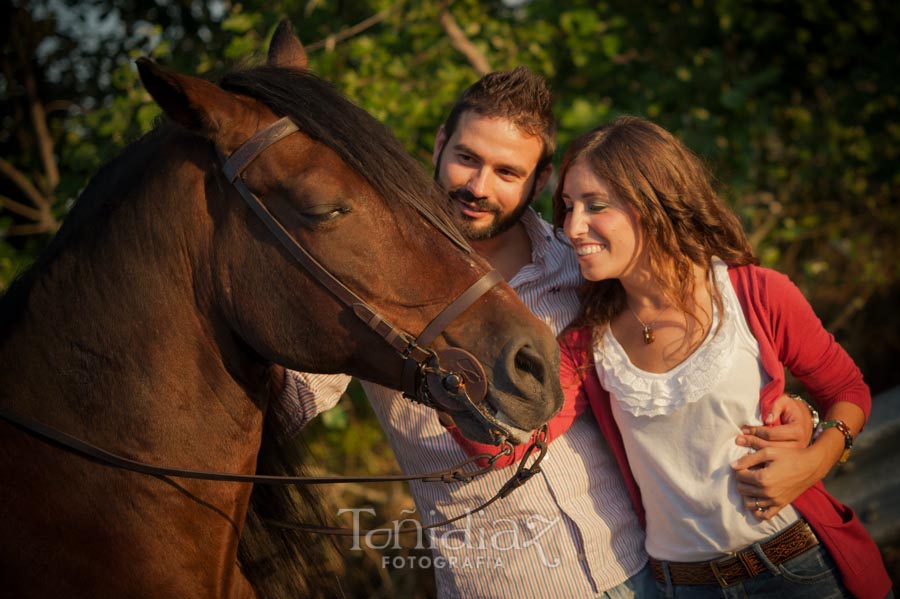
x,y
643,393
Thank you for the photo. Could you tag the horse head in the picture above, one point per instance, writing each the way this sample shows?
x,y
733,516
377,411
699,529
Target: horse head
x,y
343,190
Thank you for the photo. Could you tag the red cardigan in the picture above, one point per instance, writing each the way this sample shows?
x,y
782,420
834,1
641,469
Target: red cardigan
x,y
789,335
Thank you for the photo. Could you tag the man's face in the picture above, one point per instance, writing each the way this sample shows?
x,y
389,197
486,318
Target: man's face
x,y
488,166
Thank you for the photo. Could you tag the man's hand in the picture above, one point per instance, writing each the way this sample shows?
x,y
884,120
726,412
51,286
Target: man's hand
x,y
789,424
782,467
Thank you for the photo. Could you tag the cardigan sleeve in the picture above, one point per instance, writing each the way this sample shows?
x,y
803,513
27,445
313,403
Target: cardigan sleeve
x,y
809,351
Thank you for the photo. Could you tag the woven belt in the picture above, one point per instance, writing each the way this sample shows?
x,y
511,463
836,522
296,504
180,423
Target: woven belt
x,y
745,564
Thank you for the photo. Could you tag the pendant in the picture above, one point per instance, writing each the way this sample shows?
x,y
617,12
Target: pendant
x,y
648,336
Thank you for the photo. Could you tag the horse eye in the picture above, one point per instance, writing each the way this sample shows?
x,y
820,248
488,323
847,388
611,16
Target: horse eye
x,y
321,214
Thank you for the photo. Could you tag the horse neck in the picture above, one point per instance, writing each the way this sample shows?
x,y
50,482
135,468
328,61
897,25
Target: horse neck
x,y
118,324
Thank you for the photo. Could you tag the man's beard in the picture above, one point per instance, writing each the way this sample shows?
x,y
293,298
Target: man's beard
x,y
500,222
499,225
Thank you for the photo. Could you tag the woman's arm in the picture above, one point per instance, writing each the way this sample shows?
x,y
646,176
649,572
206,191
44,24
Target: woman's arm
x,y
835,383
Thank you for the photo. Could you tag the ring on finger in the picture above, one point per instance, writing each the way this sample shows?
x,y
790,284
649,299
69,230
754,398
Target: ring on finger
x,y
756,505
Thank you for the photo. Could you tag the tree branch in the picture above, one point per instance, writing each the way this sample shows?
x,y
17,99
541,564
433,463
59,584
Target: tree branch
x,y
335,38
462,44
773,216
850,309
16,176
20,209
31,229
38,116
45,143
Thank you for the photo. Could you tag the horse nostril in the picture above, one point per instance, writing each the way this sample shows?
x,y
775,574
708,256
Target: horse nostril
x,y
529,362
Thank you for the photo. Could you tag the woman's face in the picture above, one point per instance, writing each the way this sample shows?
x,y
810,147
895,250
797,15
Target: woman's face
x,y
605,231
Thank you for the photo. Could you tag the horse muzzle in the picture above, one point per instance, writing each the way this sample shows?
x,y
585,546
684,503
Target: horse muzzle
x,y
453,381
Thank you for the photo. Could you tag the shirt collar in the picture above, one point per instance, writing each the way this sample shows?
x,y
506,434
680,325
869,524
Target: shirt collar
x,y
540,232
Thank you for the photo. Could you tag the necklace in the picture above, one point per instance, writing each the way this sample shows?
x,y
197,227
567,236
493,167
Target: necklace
x,y
648,328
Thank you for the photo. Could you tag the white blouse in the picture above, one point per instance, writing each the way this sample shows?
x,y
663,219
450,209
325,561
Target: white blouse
x,y
679,429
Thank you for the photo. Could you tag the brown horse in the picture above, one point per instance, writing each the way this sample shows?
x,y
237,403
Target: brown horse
x,y
151,325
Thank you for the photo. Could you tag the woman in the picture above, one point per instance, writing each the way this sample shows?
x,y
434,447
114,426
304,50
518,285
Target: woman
x,y
681,339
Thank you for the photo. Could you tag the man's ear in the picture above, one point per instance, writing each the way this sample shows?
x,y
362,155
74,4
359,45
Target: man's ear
x,y
542,179
439,142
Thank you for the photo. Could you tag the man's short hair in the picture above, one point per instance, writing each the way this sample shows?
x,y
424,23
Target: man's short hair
x,y
521,96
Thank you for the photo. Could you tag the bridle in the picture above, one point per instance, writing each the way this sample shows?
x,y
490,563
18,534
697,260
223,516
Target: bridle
x,y
443,380
424,379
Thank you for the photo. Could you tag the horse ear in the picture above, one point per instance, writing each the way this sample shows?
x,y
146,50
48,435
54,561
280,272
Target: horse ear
x,y
192,102
285,50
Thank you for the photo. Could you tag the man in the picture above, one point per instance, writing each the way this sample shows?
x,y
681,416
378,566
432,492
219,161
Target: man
x,y
571,530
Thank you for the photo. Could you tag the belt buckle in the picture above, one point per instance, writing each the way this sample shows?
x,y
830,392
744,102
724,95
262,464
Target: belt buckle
x,y
714,566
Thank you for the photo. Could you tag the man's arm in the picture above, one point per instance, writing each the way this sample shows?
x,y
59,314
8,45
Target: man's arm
x,y
305,396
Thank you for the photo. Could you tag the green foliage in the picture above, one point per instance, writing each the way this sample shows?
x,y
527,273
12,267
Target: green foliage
x,y
346,431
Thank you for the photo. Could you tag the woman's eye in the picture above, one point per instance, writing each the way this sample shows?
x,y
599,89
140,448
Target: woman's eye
x,y
597,207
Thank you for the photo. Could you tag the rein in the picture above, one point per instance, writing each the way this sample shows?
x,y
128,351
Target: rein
x,y
454,474
523,472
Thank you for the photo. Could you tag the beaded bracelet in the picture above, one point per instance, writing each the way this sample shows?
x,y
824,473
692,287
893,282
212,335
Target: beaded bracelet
x,y
845,430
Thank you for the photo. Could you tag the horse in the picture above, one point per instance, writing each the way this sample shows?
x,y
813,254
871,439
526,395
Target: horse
x,y
156,324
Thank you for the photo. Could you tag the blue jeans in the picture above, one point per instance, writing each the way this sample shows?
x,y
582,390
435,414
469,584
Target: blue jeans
x,y
640,586
810,575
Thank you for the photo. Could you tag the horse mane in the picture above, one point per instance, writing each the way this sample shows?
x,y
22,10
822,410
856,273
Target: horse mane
x,y
317,108
285,563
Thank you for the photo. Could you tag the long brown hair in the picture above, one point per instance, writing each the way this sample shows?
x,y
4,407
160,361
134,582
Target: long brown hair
x,y
685,222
